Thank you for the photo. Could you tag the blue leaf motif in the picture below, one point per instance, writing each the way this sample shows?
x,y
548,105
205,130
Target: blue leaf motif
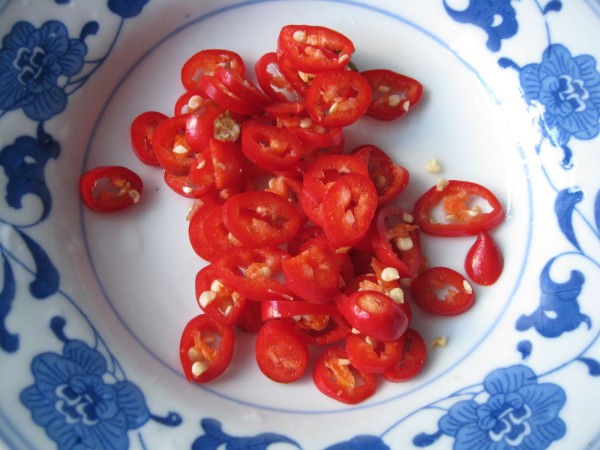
x,y
496,17
362,442
592,364
565,204
46,278
553,6
214,438
24,163
127,8
8,342
425,440
89,29
597,211
559,309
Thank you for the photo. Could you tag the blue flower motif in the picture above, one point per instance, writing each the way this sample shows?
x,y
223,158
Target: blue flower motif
x,y
77,407
566,90
35,66
127,8
519,413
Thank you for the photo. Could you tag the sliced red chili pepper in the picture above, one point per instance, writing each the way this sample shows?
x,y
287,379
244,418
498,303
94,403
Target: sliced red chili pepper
x,y
217,233
442,291
338,98
389,178
214,88
208,122
272,81
270,147
320,330
395,240
371,355
240,86
299,80
205,349
251,321
326,170
200,243
189,102
182,185
261,218
215,299
141,132
335,377
314,273
484,261
205,62
227,161
253,272
373,314
414,354
393,93
110,188
304,235
172,150
314,49
348,209
281,352
468,208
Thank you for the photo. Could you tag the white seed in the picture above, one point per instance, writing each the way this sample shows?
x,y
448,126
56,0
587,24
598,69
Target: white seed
x,y
354,331
441,184
206,298
407,217
380,181
343,362
433,166
134,195
467,287
307,317
299,36
371,341
265,272
228,310
440,341
296,318
201,163
394,100
306,122
334,107
198,368
194,354
390,274
272,183
180,149
231,238
406,105
216,286
397,295
343,57
194,102
187,190
474,211
450,217
306,77
404,244
383,88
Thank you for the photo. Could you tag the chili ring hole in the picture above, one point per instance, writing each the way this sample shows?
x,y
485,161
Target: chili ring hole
x,y
459,207
114,187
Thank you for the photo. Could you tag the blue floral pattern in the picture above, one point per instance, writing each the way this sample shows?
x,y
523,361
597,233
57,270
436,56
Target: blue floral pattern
x,y
82,397
566,90
519,412
77,408
32,63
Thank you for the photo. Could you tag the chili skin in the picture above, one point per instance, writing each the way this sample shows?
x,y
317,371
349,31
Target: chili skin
x,y
425,288
465,221
110,188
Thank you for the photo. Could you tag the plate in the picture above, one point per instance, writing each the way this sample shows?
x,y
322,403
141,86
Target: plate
x,y
92,306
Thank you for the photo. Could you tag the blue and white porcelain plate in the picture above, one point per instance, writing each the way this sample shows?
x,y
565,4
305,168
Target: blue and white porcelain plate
x,y
92,306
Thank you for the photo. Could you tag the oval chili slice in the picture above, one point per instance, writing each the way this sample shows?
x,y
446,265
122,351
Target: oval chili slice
x,y
205,62
468,208
394,94
205,348
110,188
442,291
141,132
261,218
313,49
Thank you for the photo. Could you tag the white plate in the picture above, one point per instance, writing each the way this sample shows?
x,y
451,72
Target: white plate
x,y
92,306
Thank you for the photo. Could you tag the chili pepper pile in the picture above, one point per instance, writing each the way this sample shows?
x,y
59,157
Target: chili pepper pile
x,y
303,242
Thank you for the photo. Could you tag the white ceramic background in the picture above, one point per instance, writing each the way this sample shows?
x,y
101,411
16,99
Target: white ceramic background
x,y
125,284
